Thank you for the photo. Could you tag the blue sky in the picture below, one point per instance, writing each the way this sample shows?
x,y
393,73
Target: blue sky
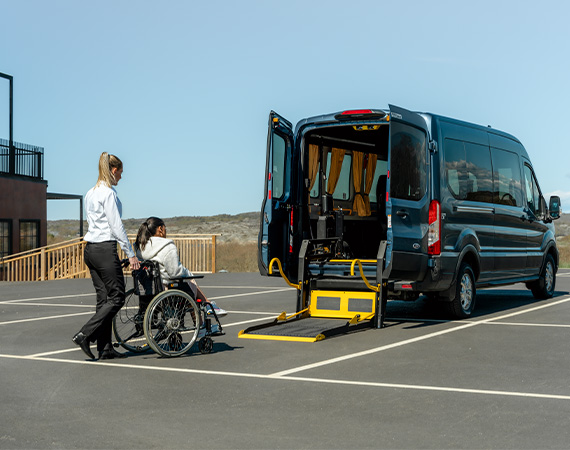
x,y
181,90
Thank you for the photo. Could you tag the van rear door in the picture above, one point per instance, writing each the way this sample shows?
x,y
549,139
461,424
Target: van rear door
x,y
276,227
408,203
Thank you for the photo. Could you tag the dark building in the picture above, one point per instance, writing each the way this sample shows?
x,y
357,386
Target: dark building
x,y
23,195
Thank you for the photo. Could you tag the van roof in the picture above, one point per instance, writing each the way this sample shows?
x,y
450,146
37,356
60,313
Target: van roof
x,y
332,118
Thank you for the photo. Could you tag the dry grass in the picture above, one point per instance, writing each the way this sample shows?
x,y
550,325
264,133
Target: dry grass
x,y
563,244
235,257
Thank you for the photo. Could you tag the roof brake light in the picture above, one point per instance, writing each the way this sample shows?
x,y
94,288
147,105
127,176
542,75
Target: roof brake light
x,y
352,114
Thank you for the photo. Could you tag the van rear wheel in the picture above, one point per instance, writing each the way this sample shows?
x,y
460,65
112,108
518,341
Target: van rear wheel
x,y
463,305
544,287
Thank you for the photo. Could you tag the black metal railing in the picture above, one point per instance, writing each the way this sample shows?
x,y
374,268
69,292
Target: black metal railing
x,y
22,159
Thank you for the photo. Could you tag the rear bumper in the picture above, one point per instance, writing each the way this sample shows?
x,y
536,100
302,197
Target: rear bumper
x,y
422,272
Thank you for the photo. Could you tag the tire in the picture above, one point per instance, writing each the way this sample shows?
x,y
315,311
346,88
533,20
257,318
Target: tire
x,y
206,344
128,324
463,304
171,323
544,287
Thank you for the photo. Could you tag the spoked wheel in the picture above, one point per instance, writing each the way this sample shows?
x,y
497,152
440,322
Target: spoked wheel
x,y
171,323
462,306
205,345
128,323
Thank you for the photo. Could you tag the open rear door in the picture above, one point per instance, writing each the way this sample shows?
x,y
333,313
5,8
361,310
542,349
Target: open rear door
x,y
408,205
277,221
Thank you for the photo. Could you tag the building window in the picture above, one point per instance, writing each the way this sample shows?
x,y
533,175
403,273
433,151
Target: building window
x,y
29,234
5,238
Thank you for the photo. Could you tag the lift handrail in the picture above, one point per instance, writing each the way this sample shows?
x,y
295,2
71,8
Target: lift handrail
x,y
357,261
296,286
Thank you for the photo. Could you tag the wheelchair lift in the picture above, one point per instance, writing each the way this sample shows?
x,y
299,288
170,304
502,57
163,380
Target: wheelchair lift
x,y
331,299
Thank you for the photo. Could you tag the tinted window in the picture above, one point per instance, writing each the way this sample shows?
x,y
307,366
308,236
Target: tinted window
x,y
278,169
468,171
532,191
5,238
407,162
29,235
507,177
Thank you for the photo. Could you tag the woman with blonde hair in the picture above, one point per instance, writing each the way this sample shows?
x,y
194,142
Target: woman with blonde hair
x,y
106,229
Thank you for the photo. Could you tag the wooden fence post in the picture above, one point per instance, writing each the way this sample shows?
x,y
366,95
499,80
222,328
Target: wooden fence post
x,y
213,253
43,264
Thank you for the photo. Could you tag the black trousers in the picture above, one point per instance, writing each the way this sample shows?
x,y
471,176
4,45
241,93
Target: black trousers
x,y
107,275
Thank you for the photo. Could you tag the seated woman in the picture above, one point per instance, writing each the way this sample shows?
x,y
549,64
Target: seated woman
x,y
151,244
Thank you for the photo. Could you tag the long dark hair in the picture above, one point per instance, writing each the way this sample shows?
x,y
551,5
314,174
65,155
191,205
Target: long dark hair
x,y
146,231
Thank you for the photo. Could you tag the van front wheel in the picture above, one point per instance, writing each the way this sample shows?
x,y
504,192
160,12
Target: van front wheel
x,y
462,306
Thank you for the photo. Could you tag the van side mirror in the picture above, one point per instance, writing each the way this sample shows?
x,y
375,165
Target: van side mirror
x,y
554,207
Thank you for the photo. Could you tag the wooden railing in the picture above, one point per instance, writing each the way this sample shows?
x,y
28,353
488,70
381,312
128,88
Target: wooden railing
x,y
65,260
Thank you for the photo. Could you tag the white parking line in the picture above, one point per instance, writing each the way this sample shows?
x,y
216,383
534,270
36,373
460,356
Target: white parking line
x,y
413,340
34,319
46,298
299,379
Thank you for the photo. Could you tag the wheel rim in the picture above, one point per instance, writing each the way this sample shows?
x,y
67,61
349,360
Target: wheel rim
x,y
171,323
549,277
466,292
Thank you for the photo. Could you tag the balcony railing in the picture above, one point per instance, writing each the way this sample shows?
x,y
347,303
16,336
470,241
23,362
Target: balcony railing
x,y
21,159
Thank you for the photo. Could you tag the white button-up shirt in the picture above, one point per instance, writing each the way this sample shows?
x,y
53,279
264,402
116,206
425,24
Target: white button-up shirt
x,y
104,210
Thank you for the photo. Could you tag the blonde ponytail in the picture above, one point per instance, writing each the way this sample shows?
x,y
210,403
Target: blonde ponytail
x,y
106,163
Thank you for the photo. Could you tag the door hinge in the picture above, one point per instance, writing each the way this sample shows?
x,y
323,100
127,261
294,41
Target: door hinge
x,y
432,146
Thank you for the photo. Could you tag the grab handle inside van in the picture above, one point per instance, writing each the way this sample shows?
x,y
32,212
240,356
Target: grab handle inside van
x,y
296,286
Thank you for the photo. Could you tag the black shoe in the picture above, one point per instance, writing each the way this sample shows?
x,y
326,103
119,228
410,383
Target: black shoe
x,y
81,340
111,354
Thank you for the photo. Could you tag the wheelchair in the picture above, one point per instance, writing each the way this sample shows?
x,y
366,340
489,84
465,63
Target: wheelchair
x,y
168,321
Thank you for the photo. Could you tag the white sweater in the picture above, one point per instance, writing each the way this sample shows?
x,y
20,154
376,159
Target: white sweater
x,y
164,252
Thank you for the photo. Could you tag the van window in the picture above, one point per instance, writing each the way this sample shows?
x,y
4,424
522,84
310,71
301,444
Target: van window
x,y
381,169
468,171
532,191
507,176
408,174
278,169
342,189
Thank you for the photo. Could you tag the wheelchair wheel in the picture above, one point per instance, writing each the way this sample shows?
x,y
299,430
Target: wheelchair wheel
x,y
205,345
128,324
172,322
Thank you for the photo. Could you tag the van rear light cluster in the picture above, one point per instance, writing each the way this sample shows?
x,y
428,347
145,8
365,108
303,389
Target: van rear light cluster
x,y
434,229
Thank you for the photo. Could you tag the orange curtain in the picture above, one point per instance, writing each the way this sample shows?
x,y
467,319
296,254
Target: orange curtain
x,y
334,172
370,171
358,205
314,155
313,164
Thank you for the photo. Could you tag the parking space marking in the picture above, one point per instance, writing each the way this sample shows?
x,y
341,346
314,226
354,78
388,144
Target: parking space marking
x,y
60,316
413,340
20,300
298,379
245,294
526,324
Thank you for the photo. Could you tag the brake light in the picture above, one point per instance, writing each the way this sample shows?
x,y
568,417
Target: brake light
x,y
357,111
352,114
434,228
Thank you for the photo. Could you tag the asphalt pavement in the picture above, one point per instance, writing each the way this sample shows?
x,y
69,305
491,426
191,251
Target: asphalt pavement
x,y
498,380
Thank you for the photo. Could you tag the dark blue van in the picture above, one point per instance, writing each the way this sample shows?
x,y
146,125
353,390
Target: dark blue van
x,y
416,203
